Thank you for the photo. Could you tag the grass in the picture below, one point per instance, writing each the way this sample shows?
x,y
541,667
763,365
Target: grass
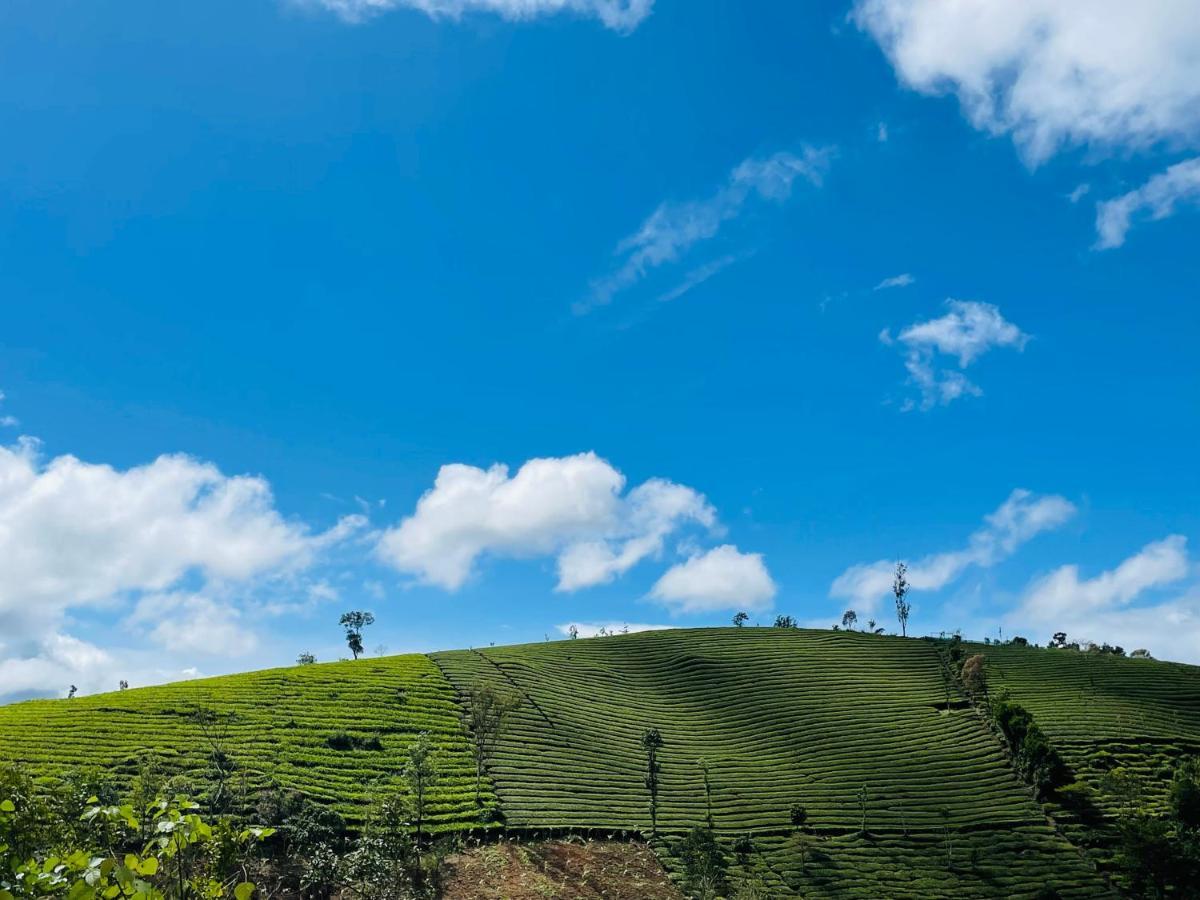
x,y
780,717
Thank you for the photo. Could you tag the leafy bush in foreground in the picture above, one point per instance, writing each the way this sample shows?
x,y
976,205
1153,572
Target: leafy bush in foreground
x,y
186,858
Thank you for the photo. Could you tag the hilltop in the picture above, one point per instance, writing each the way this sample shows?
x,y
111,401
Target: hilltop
x,y
907,790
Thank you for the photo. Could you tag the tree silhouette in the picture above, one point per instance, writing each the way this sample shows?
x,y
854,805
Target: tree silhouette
x,y
900,589
354,622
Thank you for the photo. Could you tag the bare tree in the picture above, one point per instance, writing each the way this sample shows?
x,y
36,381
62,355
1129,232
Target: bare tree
x,y
900,589
354,622
484,715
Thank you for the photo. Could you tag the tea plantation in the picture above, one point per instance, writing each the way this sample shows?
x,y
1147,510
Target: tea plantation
x,y
906,791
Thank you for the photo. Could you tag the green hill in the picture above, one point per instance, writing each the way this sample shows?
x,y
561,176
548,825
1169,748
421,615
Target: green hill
x,y
908,791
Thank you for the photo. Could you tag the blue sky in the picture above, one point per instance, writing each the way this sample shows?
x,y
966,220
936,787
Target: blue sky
x,y
769,294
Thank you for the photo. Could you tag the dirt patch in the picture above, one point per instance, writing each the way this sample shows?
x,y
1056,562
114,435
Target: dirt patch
x,y
558,870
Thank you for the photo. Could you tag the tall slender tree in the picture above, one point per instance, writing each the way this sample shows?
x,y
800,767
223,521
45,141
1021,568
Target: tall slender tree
x,y
420,774
486,710
652,742
900,589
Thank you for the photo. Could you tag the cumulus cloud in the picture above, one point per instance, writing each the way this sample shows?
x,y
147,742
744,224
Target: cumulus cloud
x,y
1021,517
571,508
1158,198
722,578
675,228
194,624
1112,606
619,15
968,331
76,535
1063,593
896,281
595,629
1051,73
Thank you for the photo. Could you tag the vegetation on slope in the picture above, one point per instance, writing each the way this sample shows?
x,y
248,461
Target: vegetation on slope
x,y
333,732
820,764
906,793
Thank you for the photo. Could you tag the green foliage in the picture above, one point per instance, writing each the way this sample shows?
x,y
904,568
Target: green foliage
x,y
780,716
486,709
187,858
270,728
1184,794
354,622
1036,760
703,864
777,714
421,775
652,742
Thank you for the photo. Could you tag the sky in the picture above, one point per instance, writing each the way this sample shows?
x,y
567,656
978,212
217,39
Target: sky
x,y
499,317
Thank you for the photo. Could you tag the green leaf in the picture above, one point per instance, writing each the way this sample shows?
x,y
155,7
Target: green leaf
x,y
243,891
149,866
7,806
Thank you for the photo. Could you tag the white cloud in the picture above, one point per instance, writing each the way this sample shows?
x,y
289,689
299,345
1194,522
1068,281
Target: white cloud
x,y
1020,518
54,662
896,281
722,578
1052,73
619,15
968,331
674,228
1079,192
77,535
1157,199
1062,593
1111,607
192,623
698,276
571,508
7,421
593,629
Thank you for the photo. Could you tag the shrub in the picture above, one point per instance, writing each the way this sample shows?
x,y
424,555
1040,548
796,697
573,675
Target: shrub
x,y
703,864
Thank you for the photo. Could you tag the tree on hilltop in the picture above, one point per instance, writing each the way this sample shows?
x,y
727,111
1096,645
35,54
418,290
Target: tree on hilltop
x,y
785,622
354,622
305,659
849,619
900,589
740,619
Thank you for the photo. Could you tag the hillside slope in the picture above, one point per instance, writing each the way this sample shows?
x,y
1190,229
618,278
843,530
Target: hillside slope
x,y
907,795
781,717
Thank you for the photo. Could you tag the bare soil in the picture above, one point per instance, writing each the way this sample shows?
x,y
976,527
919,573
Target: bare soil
x,y
562,870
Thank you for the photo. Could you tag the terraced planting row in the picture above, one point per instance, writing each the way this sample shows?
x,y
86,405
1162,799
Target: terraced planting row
x,y
1103,711
853,727
285,725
